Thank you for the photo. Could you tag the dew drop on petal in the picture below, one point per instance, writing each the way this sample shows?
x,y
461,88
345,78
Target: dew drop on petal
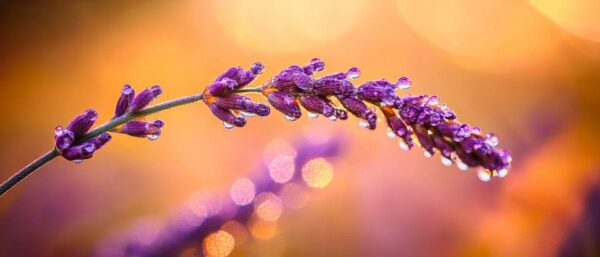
x,y
152,137
312,115
353,73
446,161
491,139
78,161
317,173
484,175
281,168
290,118
228,125
403,145
461,165
218,244
502,173
427,154
247,114
268,206
363,124
390,133
242,191
333,118
404,83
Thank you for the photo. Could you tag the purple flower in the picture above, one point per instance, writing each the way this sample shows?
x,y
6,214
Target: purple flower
x,y
124,101
140,128
69,141
285,103
229,106
417,119
144,98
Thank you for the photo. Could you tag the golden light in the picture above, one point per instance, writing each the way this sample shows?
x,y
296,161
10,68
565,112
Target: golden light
x,y
286,26
262,229
492,30
579,17
268,206
317,173
282,168
218,244
242,191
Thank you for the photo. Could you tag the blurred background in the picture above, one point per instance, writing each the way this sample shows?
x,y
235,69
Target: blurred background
x,y
526,70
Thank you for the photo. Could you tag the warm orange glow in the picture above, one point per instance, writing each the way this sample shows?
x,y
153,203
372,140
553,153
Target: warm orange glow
x,y
218,244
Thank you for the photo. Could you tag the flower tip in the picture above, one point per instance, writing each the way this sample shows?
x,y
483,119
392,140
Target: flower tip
x,y
239,122
90,114
156,90
127,90
158,123
262,109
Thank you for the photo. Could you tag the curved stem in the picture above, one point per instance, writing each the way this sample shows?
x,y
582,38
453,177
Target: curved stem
x,y
33,166
38,163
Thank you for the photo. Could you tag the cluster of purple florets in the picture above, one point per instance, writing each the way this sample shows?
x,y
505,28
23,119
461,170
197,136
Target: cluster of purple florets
x,y
415,119
72,143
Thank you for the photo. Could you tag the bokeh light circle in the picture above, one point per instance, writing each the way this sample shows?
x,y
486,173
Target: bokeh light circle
x,y
317,173
286,26
282,168
262,229
242,191
268,206
579,17
496,32
218,244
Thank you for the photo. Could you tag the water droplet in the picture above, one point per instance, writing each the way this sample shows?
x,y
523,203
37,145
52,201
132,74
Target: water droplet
x,y
390,133
248,114
290,118
363,124
77,161
433,100
403,145
427,154
446,161
461,165
404,83
502,173
353,73
152,137
484,175
312,115
332,118
228,125
491,139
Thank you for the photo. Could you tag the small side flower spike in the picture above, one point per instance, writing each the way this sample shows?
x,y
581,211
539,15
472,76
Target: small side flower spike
x,y
69,140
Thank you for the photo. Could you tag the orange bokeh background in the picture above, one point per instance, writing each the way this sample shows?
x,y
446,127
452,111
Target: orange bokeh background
x,y
527,70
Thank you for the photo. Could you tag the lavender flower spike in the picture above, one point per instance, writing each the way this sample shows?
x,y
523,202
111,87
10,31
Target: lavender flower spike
x,y
70,141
